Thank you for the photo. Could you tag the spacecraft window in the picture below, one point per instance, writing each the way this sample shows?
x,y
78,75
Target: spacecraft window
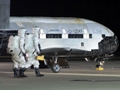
x,y
75,35
103,35
53,35
90,35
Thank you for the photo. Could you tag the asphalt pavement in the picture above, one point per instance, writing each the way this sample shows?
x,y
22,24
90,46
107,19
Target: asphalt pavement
x,y
80,76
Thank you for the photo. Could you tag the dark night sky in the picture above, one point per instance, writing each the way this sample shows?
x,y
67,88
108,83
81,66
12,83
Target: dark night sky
x,y
103,11
106,12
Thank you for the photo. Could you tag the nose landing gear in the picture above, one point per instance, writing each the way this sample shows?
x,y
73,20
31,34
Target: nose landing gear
x,y
100,64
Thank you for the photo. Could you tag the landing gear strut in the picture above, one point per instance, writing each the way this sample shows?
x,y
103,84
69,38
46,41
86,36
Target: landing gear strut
x,y
100,64
55,67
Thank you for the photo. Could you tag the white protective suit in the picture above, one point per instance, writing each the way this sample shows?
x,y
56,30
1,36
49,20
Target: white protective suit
x,y
17,56
36,39
21,34
14,50
32,50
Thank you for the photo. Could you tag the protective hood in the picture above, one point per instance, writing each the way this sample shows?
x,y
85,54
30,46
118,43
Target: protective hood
x,y
22,32
36,32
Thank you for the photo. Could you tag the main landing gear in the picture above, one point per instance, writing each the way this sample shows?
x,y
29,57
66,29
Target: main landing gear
x,y
55,67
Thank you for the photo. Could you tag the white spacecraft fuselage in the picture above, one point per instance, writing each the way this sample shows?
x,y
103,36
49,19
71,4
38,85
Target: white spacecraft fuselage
x,y
69,35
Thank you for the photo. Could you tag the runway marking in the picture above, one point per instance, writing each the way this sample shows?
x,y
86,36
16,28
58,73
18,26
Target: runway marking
x,y
83,74
74,74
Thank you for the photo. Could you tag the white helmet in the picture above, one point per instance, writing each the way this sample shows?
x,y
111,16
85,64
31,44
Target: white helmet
x,y
21,32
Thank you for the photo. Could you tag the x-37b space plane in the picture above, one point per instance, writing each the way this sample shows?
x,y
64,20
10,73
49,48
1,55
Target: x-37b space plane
x,y
70,36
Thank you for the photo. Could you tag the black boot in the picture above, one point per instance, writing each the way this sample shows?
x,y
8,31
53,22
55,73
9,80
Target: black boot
x,y
37,72
21,72
16,72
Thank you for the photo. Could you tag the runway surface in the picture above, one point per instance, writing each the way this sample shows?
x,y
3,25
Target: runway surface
x,y
80,76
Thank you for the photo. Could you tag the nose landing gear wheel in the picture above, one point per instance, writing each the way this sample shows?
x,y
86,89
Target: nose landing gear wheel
x,y
99,66
56,68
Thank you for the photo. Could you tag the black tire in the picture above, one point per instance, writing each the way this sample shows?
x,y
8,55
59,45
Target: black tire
x,y
55,68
